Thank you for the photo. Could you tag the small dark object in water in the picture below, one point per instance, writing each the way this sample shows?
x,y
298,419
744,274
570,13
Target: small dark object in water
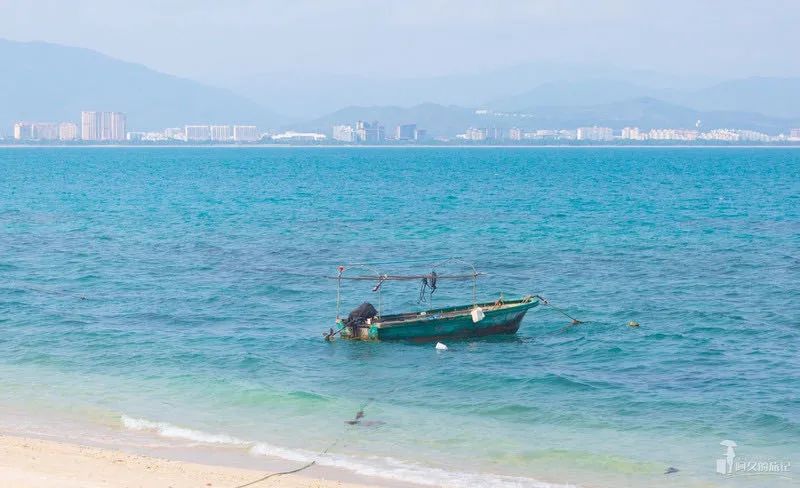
x,y
633,323
359,416
671,470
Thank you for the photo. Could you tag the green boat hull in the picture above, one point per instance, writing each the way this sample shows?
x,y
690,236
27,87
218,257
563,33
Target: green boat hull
x,y
447,323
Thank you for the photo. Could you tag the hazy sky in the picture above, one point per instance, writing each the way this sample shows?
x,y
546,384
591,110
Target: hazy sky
x,y
213,39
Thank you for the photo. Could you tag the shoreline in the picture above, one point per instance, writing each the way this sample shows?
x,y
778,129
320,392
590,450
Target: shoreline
x,y
793,145
66,447
29,462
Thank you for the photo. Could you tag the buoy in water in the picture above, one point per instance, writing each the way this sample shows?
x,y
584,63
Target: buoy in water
x,y
440,347
633,323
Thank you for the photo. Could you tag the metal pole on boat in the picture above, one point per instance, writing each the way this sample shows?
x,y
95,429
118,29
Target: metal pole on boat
x,y
474,288
339,291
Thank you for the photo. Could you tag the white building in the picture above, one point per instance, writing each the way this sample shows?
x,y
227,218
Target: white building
x,y
632,133
541,134
673,135
158,136
794,134
474,134
196,133
102,126
727,135
112,126
220,133
752,135
67,131
175,133
23,131
245,133
344,133
90,126
292,136
45,131
595,133
721,135
515,134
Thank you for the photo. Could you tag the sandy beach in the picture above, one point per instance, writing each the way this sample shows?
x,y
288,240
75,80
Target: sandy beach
x,y
35,463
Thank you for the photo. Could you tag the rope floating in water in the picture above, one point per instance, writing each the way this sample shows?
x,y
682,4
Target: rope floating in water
x,y
562,312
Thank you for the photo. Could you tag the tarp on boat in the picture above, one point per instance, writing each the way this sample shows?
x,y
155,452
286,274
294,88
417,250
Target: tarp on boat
x,y
360,315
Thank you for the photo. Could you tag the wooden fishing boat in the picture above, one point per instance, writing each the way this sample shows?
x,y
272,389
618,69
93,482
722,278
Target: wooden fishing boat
x,y
473,320
500,317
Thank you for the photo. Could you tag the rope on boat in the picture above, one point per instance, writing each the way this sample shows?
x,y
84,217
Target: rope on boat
x,y
428,282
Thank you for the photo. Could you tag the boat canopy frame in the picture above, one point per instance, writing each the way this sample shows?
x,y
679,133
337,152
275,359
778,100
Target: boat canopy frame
x,y
379,278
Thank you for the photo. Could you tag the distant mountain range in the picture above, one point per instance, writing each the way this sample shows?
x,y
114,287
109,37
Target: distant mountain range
x,y
48,82
776,97
641,112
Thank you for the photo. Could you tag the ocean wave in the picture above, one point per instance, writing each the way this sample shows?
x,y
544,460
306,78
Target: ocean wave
x,y
379,467
165,429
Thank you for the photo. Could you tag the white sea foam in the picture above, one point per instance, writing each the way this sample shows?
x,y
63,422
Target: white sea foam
x,y
379,467
165,429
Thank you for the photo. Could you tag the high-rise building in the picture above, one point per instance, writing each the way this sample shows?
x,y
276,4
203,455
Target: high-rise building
x,y
344,133
102,126
90,126
405,132
595,133
794,134
23,131
245,133
515,134
116,126
44,131
67,131
495,133
420,134
105,126
370,132
197,133
220,133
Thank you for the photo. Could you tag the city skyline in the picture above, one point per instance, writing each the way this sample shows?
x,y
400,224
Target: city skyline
x,y
110,127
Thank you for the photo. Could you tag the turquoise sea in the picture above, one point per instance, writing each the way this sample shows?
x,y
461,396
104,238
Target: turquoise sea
x,y
173,298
